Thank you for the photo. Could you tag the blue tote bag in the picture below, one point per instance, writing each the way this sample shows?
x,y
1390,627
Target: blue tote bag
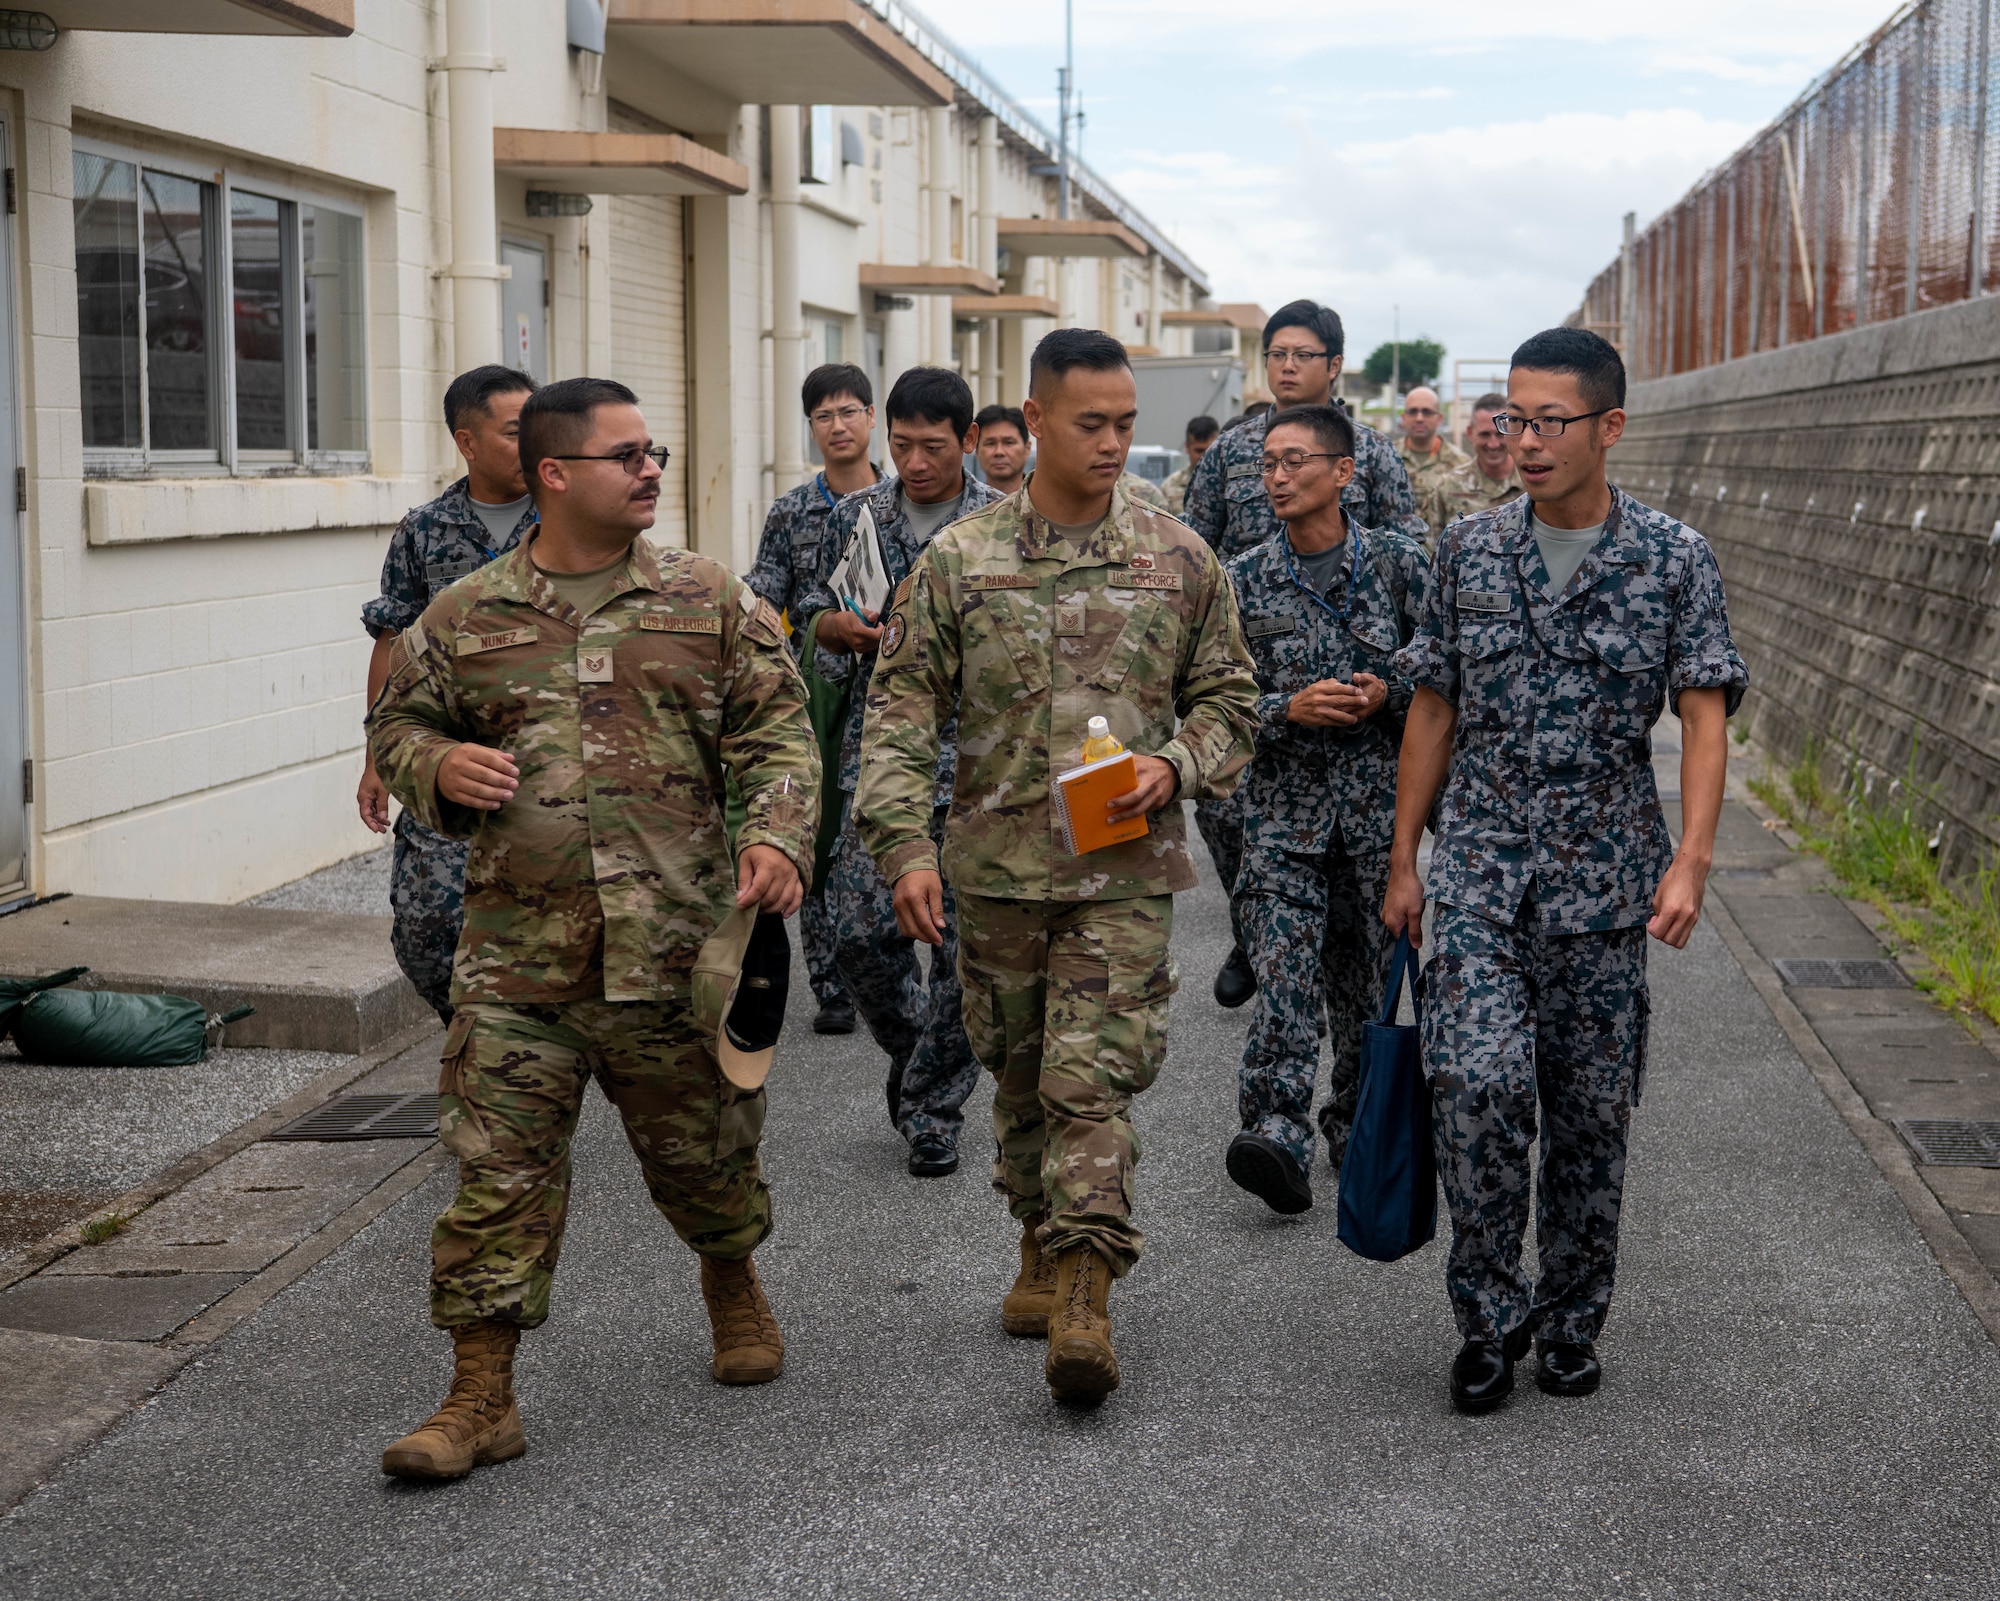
x,y
1388,1180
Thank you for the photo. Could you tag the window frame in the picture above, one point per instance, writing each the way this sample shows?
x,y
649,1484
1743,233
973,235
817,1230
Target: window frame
x,y
218,244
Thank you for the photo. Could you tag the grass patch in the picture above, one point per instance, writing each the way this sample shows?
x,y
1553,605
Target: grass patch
x,y
1872,834
100,1229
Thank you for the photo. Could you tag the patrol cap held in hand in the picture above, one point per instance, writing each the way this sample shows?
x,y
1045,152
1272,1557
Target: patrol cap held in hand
x,y
741,981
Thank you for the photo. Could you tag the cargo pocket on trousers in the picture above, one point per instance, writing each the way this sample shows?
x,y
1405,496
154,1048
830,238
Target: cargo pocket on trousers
x,y
460,1130
1134,1036
739,1119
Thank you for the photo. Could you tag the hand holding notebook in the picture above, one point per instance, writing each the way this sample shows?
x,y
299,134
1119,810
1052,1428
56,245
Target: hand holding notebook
x,y
1083,797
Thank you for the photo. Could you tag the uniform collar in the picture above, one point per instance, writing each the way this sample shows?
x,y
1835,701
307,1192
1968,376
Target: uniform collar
x,y
455,504
519,580
1618,546
1110,546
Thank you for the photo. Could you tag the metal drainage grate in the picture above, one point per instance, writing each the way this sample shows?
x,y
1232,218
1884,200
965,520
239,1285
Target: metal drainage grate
x,y
1952,1141
367,1117
1840,973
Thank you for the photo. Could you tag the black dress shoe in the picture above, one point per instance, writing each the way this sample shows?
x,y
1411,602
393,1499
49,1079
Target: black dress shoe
x,y
1482,1374
932,1158
1236,983
1270,1172
836,1017
1566,1369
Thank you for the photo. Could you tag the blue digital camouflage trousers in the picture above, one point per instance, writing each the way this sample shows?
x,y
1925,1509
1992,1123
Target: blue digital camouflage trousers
x,y
1221,825
921,1026
1518,1022
427,903
1302,915
816,935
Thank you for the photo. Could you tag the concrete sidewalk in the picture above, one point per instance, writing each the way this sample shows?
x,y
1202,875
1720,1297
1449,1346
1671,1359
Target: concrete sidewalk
x,y
1797,1401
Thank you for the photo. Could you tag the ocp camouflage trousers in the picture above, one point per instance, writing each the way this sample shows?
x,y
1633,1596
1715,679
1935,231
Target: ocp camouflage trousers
x,y
1516,1021
1303,916
512,1085
427,903
919,1024
1066,1006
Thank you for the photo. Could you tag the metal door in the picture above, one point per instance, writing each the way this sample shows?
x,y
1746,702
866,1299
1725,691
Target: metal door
x,y
524,308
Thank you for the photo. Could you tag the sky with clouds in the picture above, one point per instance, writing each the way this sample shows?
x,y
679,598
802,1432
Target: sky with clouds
x,y
1466,160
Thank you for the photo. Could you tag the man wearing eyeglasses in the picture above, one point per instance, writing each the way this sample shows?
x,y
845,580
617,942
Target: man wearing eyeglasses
x,y
1304,348
1427,456
572,710
1325,604
918,1024
1490,479
1555,630
839,405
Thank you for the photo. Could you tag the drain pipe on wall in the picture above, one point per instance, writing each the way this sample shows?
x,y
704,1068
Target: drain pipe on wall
x,y
475,274
988,259
944,180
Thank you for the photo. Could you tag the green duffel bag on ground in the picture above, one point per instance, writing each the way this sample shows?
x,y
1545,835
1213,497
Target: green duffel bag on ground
x,y
106,1028
15,993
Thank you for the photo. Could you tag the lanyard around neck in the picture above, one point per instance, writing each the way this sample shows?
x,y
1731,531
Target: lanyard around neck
x,y
1353,574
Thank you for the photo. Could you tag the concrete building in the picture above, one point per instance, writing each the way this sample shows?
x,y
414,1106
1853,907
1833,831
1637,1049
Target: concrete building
x,y
248,241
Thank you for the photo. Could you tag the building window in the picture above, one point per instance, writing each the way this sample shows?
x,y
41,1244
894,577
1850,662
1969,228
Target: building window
x,y
217,326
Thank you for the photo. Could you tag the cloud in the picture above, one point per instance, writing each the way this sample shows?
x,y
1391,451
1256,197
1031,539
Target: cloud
x,y
1480,235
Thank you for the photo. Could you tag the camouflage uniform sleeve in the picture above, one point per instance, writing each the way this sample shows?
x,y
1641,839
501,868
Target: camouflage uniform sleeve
x,y
817,596
411,729
1215,693
1430,660
1700,652
912,696
1413,580
404,593
1390,501
770,574
767,741
1203,509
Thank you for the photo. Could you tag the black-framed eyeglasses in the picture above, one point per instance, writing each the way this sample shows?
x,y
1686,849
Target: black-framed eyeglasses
x,y
1293,460
633,460
1546,427
1294,358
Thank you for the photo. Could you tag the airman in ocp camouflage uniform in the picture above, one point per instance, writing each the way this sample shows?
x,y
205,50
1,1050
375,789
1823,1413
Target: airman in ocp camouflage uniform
x,y
1144,492
1464,491
1318,808
1550,846
1227,506
434,546
1064,958
920,1025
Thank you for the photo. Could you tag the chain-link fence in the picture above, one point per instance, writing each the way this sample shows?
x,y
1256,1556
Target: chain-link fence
x,y
1871,197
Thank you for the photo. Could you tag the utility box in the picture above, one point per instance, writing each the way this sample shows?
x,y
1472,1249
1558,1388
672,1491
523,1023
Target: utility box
x,y
1173,390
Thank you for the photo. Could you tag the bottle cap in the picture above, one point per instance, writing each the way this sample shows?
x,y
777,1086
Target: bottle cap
x,y
1099,728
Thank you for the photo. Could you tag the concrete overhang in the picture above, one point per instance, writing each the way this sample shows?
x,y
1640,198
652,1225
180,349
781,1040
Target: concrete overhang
x,y
891,279
1068,236
1206,318
333,19
1005,306
575,163
781,52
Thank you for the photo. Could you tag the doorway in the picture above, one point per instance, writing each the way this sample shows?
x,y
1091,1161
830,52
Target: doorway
x,y
524,308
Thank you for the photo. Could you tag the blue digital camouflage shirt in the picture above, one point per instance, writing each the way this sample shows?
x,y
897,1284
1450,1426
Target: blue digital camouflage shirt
x,y
900,549
1308,788
1551,781
791,548
1227,506
434,546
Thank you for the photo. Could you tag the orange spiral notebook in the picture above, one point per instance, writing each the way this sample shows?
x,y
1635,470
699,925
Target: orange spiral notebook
x,y
1083,797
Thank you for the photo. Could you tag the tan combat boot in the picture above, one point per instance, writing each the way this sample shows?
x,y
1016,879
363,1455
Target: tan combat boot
x,y
1025,1311
748,1347
1081,1364
478,1422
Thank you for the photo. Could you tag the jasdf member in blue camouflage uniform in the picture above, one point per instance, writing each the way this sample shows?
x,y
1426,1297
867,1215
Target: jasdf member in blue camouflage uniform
x,y
1325,604
839,405
1304,349
931,1066
477,519
1556,629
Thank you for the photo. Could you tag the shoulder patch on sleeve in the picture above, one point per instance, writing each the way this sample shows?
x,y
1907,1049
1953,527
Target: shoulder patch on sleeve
x,y
761,619
747,598
416,639
903,632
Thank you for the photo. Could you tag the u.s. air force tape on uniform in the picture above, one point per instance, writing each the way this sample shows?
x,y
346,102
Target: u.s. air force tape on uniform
x,y
1130,578
656,622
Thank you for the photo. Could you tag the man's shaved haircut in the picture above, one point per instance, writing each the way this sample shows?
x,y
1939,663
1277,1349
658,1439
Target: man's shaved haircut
x,y
556,420
475,391
1578,353
1068,349
1329,427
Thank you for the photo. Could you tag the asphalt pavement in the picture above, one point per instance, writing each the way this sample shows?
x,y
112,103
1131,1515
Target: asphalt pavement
x,y
1796,1401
